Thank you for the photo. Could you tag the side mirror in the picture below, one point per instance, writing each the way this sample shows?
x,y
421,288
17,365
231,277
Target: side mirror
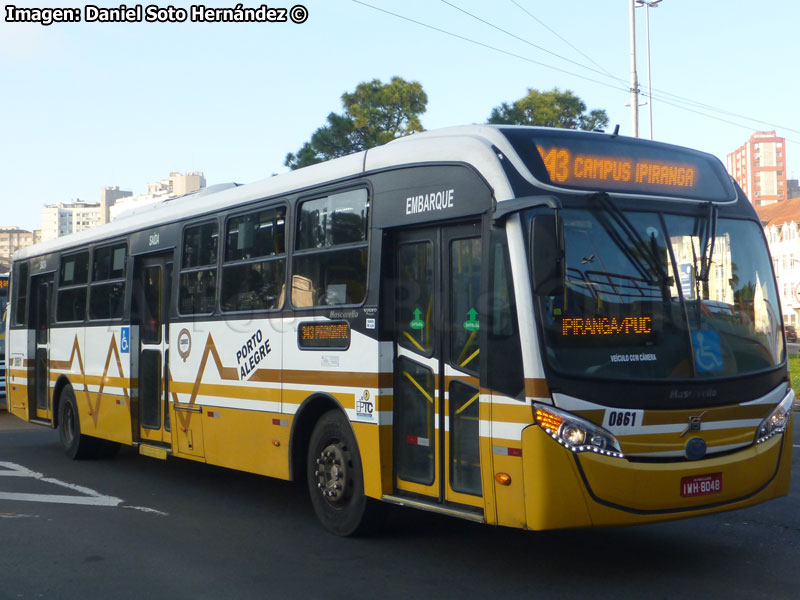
x,y
547,255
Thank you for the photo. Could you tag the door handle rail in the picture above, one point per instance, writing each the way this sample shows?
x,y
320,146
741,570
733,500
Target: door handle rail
x,y
187,407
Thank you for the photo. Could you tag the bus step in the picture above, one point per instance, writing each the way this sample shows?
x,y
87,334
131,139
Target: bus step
x,y
435,507
153,451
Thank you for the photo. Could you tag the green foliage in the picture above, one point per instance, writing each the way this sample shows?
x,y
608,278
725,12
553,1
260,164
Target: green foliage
x,y
794,369
549,109
375,113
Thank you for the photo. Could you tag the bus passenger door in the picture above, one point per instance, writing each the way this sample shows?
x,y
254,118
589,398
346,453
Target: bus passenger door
x,y
151,306
39,395
436,386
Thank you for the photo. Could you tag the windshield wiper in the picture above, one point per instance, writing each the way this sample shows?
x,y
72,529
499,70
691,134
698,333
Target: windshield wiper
x,y
706,233
648,253
708,244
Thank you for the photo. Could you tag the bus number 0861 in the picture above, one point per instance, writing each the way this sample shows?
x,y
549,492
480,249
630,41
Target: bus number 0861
x,y
621,418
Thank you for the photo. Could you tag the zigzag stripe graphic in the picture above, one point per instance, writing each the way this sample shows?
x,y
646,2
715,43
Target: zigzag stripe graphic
x,y
226,373
67,365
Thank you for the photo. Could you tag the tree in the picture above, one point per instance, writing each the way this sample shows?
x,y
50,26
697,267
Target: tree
x,y
375,113
549,109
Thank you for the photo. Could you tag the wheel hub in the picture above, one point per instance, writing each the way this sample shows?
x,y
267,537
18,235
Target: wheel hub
x,y
332,473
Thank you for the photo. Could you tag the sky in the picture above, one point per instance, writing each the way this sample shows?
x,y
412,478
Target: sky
x,y
89,105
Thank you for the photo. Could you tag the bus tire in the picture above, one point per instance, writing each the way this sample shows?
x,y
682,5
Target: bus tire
x,y
76,445
335,477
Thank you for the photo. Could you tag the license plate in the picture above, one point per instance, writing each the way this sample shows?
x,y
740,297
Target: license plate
x,y
700,485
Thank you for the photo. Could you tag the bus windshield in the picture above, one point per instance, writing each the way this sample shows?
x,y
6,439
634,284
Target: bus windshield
x,y
651,296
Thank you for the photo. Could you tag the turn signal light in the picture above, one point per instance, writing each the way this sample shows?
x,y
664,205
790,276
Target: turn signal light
x,y
548,420
503,478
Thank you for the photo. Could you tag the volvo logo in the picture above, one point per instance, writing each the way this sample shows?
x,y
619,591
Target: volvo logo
x,y
694,423
695,448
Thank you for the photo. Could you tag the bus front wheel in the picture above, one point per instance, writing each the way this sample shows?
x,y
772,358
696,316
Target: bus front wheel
x,y
335,477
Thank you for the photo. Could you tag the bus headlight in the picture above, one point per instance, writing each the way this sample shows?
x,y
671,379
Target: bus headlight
x,y
574,433
777,421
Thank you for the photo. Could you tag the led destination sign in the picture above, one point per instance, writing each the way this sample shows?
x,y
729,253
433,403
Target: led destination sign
x,y
610,332
315,336
605,163
564,166
602,326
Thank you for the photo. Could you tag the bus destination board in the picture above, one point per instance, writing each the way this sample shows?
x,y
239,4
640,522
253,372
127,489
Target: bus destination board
x,y
324,335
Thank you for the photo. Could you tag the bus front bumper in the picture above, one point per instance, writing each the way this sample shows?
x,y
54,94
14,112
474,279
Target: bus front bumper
x,y
565,489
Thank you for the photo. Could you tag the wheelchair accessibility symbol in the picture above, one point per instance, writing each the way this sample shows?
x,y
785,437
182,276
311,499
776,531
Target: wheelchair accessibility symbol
x,y
707,351
125,340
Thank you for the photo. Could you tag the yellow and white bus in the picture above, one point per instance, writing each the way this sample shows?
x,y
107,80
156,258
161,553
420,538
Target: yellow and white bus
x,y
525,327
4,283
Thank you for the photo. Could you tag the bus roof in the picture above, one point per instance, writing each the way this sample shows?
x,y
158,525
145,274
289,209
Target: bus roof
x,y
477,145
469,144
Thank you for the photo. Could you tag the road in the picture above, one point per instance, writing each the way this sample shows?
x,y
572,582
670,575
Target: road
x,y
135,527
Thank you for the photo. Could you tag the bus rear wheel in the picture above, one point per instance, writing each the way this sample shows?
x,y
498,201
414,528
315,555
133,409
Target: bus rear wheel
x,y
335,478
77,445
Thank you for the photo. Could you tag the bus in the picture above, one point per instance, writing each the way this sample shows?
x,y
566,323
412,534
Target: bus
x,y
4,283
527,327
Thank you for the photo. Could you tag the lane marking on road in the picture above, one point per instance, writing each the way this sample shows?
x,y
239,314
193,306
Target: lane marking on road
x,y
89,496
58,499
151,511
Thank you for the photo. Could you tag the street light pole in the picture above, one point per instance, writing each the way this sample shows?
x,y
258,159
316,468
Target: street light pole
x,y
648,6
649,85
634,80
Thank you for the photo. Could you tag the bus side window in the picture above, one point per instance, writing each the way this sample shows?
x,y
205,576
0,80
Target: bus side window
x,y
19,304
198,278
504,360
107,290
72,280
254,264
330,261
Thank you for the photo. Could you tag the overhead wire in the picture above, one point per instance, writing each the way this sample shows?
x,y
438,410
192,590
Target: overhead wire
x,y
543,24
524,41
654,94
489,46
740,125
659,94
609,74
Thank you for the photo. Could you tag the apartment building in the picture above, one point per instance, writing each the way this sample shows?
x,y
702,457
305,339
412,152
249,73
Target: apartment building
x,y
64,218
175,185
782,227
759,166
108,198
12,239
69,217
